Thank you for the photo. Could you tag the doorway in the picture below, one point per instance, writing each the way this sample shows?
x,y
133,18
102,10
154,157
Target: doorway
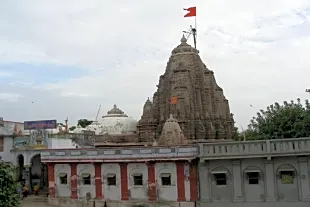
x,y
20,168
38,173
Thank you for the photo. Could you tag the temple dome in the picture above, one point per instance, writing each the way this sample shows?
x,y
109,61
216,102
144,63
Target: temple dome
x,y
78,130
115,122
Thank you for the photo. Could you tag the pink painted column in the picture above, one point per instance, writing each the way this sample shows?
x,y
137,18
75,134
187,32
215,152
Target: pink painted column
x,y
51,180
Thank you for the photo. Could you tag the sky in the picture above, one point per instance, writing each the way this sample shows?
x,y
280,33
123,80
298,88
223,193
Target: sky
x,y
62,59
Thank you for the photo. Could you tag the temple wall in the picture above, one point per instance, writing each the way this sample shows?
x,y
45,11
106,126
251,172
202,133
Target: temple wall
x,y
62,177
123,184
136,189
259,173
166,192
86,181
111,192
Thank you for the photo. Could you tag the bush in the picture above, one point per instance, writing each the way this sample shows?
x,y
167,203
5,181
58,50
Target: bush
x,y
9,196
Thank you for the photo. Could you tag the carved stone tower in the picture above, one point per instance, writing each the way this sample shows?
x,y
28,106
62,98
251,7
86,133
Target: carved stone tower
x,y
198,103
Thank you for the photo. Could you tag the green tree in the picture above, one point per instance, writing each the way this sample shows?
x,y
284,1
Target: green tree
x,y
72,128
290,120
9,196
84,123
237,136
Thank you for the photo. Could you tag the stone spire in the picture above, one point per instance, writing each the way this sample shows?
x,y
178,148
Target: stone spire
x,y
201,108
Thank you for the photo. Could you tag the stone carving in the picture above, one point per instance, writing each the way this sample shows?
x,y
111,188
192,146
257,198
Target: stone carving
x,y
201,109
115,110
172,133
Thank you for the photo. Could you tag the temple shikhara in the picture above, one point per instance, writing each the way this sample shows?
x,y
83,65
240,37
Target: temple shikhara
x,y
187,90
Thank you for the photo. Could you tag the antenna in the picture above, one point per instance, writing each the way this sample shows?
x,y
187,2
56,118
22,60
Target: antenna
x,y
192,31
97,113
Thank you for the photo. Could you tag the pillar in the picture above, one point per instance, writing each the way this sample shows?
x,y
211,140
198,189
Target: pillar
x,y
304,178
180,181
124,181
73,180
98,181
270,181
27,172
51,179
237,181
204,181
151,181
193,182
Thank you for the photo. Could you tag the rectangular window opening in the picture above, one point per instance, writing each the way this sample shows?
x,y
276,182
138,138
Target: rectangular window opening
x,y
220,178
166,179
287,177
253,178
63,179
86,179
1,144
111,180
138,180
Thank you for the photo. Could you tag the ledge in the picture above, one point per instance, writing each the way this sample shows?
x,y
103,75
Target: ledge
x,y
120,154
253,149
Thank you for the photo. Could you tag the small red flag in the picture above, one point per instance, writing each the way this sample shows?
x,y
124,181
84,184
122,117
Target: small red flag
x,y
191,12
173,100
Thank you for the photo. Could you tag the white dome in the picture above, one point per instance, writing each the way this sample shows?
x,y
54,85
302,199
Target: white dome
x,y
114,123
78,130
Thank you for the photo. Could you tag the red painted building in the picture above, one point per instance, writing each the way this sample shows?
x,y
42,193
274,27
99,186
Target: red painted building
x,y
136,174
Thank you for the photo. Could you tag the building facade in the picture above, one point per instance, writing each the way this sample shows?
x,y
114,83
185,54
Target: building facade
x,y
267,173
162,175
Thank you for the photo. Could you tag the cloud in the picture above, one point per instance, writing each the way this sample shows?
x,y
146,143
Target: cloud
x,y
114,52
10,97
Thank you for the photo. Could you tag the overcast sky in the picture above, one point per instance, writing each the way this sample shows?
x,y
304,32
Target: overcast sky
x,y
63,58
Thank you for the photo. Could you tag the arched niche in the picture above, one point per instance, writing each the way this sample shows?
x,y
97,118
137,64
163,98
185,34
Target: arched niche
x,y
137,177
254,184
221,184
287,183
38,172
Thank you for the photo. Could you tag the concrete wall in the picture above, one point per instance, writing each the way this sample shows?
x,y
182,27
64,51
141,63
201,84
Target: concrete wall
x,y
7,155
62,190
111,192
137,192
83,172
270,190
166,192
58,143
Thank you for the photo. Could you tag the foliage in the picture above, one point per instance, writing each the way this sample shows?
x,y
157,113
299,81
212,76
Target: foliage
x,y
9,196
72,128
290,120
84,123
287,179
237,136
60,124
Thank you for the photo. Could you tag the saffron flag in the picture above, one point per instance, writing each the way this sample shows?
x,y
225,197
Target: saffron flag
x,y
191,12
173,100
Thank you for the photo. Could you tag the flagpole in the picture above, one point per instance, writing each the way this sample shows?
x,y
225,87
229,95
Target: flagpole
x,y
196,27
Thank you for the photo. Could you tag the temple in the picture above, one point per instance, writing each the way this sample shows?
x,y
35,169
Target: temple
x,y
189,92
179,154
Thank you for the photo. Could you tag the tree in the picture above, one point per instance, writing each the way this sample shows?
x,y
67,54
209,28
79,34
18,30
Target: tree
x,y
72,128
290,120
9,196
84,123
